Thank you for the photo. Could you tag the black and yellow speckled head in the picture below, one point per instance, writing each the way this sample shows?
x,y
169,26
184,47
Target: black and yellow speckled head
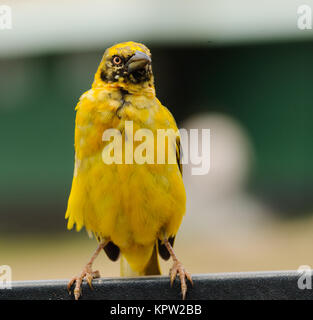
x,y
125,64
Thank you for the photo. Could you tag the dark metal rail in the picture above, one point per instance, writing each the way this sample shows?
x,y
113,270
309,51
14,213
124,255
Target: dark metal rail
x,y
250,285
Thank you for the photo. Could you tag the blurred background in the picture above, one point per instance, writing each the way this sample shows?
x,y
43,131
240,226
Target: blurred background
x,y
240,68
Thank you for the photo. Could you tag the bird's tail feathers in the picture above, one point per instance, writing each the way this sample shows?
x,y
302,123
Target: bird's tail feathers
x,y
152,267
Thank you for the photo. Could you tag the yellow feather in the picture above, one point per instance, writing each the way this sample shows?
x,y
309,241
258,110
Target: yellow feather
x,y
129,204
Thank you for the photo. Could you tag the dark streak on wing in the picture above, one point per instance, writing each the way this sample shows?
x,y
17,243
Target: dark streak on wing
x,y
112,251
179,152
163,250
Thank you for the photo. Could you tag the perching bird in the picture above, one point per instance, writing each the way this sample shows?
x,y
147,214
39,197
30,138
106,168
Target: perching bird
x,y
134,210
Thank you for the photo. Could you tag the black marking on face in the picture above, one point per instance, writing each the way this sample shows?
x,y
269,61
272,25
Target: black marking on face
x,y
103,76
141,75
113,71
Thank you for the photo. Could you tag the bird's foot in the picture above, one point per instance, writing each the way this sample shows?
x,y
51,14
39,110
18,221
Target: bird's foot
x,y
88,275
179,269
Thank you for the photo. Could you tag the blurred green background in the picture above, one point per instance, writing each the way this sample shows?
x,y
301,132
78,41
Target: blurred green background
x,y
254,80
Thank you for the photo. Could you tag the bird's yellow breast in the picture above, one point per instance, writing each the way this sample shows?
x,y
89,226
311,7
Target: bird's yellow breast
x,y
127,203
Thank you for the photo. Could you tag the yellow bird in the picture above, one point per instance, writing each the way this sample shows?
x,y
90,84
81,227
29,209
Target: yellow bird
x,y
133,209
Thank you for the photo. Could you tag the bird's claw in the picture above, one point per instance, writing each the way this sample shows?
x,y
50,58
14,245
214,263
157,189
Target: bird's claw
x,y
90,276
86,274
179,269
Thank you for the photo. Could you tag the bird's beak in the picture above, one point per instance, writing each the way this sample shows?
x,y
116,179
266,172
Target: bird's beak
x,y
137,61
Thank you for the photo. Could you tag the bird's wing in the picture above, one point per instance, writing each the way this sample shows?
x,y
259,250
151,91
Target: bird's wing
x,y
179,152
111,250
90,124
163,250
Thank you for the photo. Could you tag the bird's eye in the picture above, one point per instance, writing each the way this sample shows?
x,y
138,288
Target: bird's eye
x,y
117,60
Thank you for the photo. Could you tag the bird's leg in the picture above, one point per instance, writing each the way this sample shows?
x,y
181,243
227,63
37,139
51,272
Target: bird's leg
x,y
87,273
179,269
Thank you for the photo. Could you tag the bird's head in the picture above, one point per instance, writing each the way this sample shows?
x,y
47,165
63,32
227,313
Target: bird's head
x,y
126,65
